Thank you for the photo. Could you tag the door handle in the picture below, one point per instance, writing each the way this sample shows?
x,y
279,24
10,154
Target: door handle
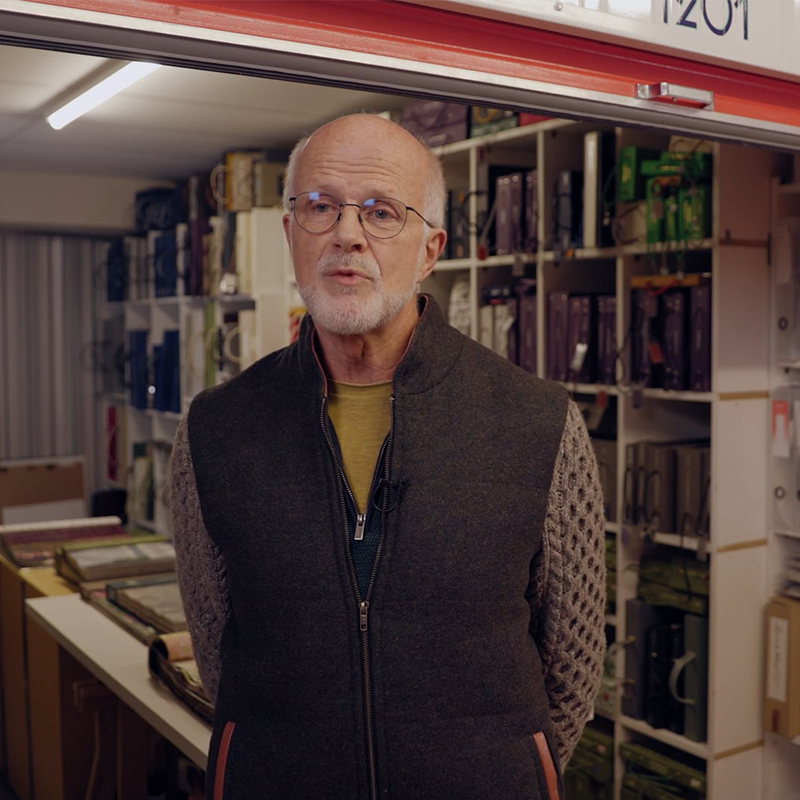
x,y
675,94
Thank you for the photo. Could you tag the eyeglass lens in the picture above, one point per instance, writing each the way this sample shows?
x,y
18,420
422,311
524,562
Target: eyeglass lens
x,y
317,212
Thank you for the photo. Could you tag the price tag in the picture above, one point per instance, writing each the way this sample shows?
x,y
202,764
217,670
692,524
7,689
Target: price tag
x,y
781,438
579,356
654,351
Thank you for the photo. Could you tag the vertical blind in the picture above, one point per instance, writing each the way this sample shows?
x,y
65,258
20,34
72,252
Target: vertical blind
x,y
48,403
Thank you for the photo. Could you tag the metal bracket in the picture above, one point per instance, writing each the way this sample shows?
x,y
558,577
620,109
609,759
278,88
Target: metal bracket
x,y
676,94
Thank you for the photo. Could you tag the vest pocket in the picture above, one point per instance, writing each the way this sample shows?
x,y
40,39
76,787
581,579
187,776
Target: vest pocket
x,y
222,760
549,772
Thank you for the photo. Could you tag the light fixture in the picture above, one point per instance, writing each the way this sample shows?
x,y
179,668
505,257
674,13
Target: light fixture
x,y
100,92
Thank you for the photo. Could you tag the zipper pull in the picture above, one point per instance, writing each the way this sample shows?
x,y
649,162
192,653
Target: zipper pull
x,y
361,521
363,607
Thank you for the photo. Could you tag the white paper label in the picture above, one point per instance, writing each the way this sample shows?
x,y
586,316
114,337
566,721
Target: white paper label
x,y
778,655
781,439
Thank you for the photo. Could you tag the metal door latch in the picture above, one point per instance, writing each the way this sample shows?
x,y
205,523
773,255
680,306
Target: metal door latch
x,y
670,92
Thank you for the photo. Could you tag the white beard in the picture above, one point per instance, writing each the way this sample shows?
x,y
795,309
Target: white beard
x,y
355,310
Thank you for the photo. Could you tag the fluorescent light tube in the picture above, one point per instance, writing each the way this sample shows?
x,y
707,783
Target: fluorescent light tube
x,y
99,93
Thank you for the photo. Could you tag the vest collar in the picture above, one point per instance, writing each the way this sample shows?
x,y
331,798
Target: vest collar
x,y
431,353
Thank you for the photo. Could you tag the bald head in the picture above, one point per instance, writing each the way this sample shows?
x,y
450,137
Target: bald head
x,y
376,139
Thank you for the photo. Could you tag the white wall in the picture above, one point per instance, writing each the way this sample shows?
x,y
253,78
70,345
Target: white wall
x,y
55,202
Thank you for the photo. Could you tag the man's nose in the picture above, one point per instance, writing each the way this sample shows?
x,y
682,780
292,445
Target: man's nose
x,y
349,232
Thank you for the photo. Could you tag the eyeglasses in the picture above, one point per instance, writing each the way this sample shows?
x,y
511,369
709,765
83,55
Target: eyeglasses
x,y
381,217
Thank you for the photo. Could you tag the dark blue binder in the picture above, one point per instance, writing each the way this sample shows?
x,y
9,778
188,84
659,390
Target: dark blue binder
x,y
139,380
165,265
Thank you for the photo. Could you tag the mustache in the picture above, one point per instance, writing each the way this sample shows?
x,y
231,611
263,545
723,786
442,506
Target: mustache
x,y
358,263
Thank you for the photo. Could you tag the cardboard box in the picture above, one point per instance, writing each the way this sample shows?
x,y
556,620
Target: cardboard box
x,y
782,695
61,734
15,586
41,486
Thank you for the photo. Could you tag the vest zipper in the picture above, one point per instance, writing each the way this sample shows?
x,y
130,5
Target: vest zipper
x,y
363,603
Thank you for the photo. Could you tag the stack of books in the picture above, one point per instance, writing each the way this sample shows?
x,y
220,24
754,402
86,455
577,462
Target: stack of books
x,y
33,544
132,581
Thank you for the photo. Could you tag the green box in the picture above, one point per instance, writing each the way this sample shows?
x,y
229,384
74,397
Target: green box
x,y
655,211
695,212
630,181
484,128
672,217
662,766
691,166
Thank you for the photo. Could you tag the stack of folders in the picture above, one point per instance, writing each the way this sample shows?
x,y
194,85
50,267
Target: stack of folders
x,y
116,272
589,775
651,774
144,606
118,557
666,487
671,332
516,213
167,373
507,322
605,701
666,655
33,544
611,573
791,566
605,451
582,338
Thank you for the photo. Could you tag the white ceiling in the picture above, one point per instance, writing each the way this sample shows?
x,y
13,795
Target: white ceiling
x,y
168,125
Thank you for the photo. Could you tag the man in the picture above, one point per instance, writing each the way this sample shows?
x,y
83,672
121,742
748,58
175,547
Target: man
x,y
390,541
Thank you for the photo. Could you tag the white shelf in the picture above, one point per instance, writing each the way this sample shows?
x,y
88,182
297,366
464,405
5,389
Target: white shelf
x,y
699,749
171,415
144,524
789,188
598,712
611,619
637,249
583,253
612,527
508,135
589,388
788,363
507,260
453,264
170,300
687,397
642,248
788,534
117,398
234,299
676,540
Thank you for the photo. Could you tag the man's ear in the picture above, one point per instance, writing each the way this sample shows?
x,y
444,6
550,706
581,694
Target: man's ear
x,y
433,249
287,226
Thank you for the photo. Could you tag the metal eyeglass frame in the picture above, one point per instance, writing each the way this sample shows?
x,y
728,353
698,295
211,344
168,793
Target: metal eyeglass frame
x,y
359,206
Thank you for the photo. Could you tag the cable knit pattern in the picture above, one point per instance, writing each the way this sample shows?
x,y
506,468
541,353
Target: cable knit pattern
x,y
570,586
568,580
200,567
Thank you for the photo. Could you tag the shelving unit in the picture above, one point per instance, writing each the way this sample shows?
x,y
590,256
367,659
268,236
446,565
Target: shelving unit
x,y
733,415
782,759
200,321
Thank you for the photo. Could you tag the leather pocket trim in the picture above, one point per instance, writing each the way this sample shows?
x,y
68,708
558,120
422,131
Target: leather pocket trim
x,y
222,759
548,767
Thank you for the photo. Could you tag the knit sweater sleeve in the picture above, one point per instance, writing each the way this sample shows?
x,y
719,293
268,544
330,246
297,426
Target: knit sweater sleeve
x,y
200,566
569,587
